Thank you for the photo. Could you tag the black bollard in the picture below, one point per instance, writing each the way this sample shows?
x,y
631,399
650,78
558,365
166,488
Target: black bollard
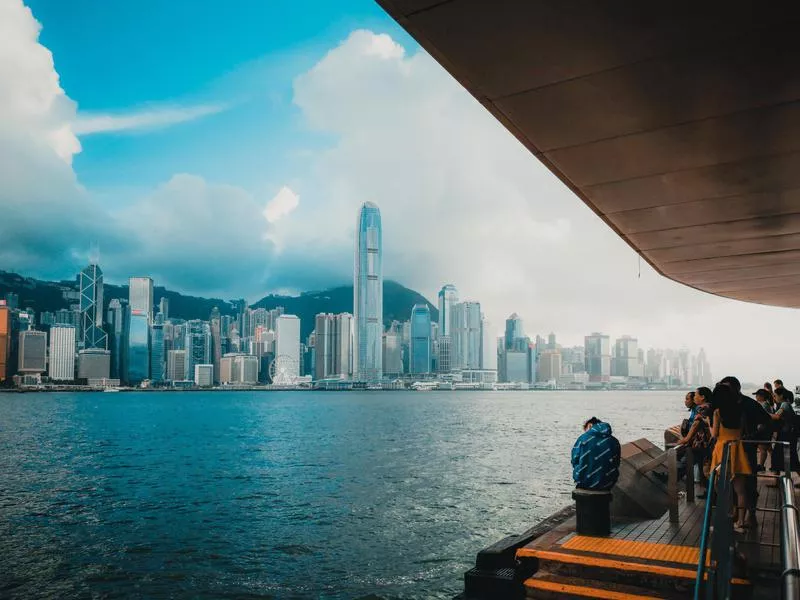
x,y
592,512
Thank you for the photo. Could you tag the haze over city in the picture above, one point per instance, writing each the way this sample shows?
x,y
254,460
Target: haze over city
x,y
236,169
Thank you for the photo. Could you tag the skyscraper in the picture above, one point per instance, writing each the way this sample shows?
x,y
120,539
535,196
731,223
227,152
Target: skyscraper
x,y
343,345
323,345
157,356
215,322
368,295
488,346
140,295
5,340
91,305
598,357
287,341
138,359
62,353
420,360
626,358
197,345
514,333
448,297
466,344
32,352
176,365
117,319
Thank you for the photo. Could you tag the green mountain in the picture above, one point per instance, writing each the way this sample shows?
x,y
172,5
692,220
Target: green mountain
x,y
44,296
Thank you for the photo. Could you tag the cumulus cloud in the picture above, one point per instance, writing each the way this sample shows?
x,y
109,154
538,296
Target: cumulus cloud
x,y
284,202
88,123
463,201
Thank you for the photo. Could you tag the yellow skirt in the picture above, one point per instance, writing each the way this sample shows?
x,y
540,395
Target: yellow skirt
x,y
738,463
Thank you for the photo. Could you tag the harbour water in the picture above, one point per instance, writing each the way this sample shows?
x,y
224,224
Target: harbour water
x,y
283,494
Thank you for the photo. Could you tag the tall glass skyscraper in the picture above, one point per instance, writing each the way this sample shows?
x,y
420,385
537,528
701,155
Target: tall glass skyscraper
x,y
138,347
91,305
157,356
368,295
140,295
420,360
448,297
197,346
117,319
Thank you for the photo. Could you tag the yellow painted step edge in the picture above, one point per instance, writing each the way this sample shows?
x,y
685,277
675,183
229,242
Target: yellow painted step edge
x,y
619,565
578,590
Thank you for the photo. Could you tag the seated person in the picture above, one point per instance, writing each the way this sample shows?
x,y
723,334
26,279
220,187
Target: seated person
x,y
595,457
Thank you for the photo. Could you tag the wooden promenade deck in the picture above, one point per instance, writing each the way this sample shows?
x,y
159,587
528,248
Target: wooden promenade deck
x,y
651,558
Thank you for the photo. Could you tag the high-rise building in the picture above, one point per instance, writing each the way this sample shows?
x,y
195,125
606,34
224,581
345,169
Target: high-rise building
x,y
215,323
551,342
204,375
157,356
445,354
5,341
626,358
140,295
239,368
163,307
343,346
420,346
12,300
448,297
176,365
62,353
32,352
323,345
94,363
548,367
197,346
392,353
117,319
488,346
598,357
368,295
514,332
138,359
466,338
91,306
287,342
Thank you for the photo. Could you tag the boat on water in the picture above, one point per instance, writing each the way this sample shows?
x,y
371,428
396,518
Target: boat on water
x,y
111,390
424,386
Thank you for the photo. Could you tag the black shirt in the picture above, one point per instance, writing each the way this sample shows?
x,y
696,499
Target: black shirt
x,y
757,422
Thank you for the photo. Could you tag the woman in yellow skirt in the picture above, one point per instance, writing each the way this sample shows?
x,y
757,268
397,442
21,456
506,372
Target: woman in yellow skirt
x,y
727,427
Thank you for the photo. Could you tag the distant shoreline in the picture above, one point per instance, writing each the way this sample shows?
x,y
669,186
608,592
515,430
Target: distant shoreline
x,y
74,390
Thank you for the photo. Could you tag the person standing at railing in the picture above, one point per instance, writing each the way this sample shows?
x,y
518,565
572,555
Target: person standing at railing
x,y
757,426
787,432
728,429
697,439
765,398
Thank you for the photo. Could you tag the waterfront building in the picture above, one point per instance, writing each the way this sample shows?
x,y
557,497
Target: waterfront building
x,y
323,346
140,295
551,342
94,363
514,332
466,338
117,323
445,354
157,356
176,365
215,324
238,368
368,295
448,298
197,345
598,357
392,359
32,352
204,375
90,282
5,341
62,353
138,355
163,307
515,366
488,346
548,366
625,362
343,346
287,342
420,343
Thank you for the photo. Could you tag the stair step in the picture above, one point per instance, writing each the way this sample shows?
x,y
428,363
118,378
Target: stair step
x,y
549,585
492,583
625,572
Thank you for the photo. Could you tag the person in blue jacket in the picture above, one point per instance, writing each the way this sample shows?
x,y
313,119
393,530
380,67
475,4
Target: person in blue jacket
x,y
595,457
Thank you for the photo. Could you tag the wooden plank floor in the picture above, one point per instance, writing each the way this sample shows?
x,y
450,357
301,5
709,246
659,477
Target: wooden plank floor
x,y
760,545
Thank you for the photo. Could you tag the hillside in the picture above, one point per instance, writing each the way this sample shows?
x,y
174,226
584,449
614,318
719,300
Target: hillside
x,y
44,296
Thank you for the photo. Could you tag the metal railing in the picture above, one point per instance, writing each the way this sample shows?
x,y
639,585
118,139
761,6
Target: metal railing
x,y
715,571
671,458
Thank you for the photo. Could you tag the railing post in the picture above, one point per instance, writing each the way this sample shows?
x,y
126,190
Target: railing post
x,y
672,484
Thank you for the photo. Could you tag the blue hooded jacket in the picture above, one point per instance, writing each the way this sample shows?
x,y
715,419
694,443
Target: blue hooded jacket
x,y
595,459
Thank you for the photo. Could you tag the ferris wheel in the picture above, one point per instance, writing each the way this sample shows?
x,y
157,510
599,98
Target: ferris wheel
x,y
284,370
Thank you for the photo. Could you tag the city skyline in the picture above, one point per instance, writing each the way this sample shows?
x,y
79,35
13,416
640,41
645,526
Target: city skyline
x,y
265,150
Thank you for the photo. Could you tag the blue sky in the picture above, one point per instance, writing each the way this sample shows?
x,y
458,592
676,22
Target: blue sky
x,y
117,57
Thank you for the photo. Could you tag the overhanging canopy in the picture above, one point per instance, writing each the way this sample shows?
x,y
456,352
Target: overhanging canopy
x,y
677,122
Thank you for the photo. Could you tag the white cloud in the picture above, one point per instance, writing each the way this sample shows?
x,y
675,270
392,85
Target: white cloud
x,y
463,201
284,202
88,123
